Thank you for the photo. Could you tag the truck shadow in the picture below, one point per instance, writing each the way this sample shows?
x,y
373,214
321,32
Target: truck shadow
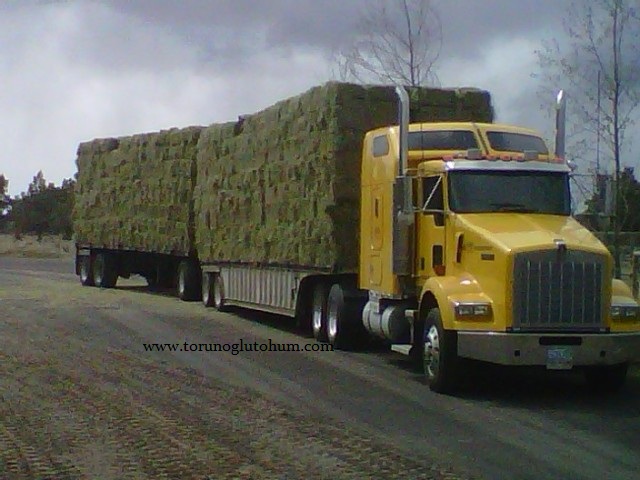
x,y
538,388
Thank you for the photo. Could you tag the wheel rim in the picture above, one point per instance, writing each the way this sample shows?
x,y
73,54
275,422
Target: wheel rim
x,y
84,270
432,352
181,283
332,322
98,267
217,292
316,320
205,289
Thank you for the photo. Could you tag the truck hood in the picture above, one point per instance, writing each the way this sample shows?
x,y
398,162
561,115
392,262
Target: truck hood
x,y
526,231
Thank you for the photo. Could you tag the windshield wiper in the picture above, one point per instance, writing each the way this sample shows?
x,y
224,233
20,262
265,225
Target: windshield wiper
x,y
513,207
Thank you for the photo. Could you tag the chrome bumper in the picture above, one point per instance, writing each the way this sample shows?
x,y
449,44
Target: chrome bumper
x,y
531,348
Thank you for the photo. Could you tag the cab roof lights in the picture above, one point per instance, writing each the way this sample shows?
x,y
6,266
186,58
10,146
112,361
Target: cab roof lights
x,y
476,154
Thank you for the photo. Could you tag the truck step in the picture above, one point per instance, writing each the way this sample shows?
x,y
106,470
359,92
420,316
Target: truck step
x,y
403,348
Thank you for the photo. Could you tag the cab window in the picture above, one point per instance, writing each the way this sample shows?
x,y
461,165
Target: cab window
x,y
516,142
433,198
380,146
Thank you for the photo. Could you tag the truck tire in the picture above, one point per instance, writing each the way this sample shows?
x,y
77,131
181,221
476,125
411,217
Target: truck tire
x,y
606,378
86,271
105,271
218,294
207,290
440,354
319,312
211,297
189,279
344,318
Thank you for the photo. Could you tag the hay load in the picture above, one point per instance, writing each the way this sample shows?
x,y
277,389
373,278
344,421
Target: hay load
x,y
136,193
282,186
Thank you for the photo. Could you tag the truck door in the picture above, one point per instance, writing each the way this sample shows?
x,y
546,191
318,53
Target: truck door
x,y
431,233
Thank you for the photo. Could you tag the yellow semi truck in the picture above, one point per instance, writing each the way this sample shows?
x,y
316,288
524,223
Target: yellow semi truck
x,y
449,240
469,251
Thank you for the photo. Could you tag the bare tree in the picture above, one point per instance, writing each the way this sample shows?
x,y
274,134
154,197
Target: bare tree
x,y
600,68
397,42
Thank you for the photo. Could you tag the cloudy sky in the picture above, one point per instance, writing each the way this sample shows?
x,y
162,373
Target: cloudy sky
x,y
74,70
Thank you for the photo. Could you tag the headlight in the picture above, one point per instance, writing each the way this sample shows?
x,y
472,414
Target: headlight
x,y
472,309
625,312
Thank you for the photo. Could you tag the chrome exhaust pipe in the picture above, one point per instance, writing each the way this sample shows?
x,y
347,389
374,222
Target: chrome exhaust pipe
x,y
561,112
403,124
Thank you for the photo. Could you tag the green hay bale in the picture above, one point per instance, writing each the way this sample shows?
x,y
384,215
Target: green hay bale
x,y
282,185
135,192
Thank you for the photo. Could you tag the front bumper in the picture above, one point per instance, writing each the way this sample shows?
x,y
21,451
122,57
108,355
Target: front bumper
x,y
532,348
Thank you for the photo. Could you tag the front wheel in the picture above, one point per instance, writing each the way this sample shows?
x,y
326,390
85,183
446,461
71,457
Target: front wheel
x,y
440,354
607,379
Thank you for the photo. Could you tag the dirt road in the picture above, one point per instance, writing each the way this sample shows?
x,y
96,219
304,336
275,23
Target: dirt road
x,y
81,398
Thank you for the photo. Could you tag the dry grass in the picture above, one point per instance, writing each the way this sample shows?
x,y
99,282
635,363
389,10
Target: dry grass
x,y
30,246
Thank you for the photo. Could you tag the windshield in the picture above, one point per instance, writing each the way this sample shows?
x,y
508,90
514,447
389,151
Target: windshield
x,y
527,192
516,142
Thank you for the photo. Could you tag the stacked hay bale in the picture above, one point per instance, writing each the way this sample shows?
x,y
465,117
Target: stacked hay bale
x,y
282,186
136,193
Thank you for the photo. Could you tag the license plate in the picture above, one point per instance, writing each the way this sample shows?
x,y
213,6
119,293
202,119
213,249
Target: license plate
x,y
559,359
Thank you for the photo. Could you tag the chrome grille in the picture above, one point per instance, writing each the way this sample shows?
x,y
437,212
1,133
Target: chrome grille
x,y
558,290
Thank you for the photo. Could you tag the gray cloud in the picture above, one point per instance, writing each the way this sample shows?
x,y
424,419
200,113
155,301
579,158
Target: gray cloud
x,y
78,69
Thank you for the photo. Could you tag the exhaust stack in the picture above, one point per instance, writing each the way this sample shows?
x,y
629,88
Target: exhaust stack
x,y
561,110
403,124
403,214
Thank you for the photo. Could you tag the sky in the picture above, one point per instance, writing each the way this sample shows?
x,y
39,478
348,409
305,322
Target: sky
x,y
73,70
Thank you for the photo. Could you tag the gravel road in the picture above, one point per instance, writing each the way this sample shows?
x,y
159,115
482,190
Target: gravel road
x,y
81,398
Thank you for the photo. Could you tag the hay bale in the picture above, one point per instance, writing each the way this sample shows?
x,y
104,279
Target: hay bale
x,y
136,192
282,186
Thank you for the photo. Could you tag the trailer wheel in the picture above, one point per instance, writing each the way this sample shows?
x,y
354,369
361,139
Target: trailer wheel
x,y
319,312
208,295
86,271
440,354
105,272
218,293
189,278
607,379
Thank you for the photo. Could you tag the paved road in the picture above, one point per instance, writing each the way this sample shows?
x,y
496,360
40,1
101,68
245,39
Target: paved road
x,y
81,395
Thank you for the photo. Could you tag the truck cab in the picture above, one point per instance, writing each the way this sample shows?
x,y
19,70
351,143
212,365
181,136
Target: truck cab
x,y
469,251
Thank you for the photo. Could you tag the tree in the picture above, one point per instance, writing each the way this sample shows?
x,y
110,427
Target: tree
x,y
398,45
600,68
626,211
44,208
38,184
5,200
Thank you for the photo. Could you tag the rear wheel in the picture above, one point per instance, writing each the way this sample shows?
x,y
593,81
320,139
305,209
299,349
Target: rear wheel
x,y
86,271
440,354
344,318
607,379
189,278
319,312
105,271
